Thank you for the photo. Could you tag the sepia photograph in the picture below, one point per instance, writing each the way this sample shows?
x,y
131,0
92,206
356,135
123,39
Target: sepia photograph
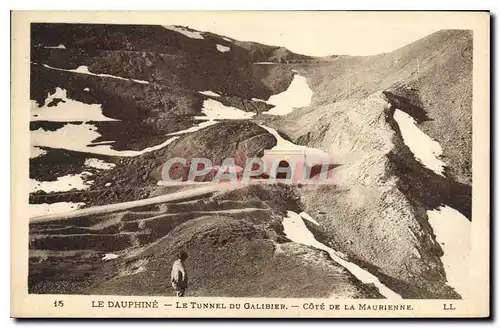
x,y
211,156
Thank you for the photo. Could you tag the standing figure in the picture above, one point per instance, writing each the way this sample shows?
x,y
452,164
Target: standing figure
x,y
178,275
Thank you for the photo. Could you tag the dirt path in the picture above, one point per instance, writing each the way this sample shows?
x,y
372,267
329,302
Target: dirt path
x,y
105,209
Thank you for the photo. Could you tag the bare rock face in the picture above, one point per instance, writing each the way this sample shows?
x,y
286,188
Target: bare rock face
x,y
233,140
376,212
228,139
370,212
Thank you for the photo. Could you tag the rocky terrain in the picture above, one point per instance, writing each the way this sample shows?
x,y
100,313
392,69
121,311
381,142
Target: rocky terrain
x,y
112,103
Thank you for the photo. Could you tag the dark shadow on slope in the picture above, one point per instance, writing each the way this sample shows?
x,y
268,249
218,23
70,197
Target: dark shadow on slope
x,y
126,134
120,99
425,187
245,104
60,162
409,103
460,198
49,125
419,183
163,57
431,289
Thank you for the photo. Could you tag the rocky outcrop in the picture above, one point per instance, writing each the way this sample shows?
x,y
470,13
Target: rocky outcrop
x,y
375,212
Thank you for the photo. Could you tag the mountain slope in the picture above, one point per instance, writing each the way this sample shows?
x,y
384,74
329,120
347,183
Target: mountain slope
x,y
382,191
429,79
177,92
229,241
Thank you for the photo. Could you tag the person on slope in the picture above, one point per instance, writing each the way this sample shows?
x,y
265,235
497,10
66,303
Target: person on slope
x,y
178,275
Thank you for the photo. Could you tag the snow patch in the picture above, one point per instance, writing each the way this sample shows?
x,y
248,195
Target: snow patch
x,y
209,93
426,150
197,127
86,89
149,149
71,136
79,137
216,110
61,46
184,31
295,230
36,152
109,256
80,69
227,39
54,208
453,233
64,183
66,110
98,164
265,63
222,48
297,95
107,184
85,70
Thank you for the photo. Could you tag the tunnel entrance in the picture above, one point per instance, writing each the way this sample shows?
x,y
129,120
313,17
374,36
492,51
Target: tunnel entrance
x,y
285,170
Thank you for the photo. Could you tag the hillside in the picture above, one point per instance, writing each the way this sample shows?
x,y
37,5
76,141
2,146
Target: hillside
x,y
352,116
429,79
397,126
